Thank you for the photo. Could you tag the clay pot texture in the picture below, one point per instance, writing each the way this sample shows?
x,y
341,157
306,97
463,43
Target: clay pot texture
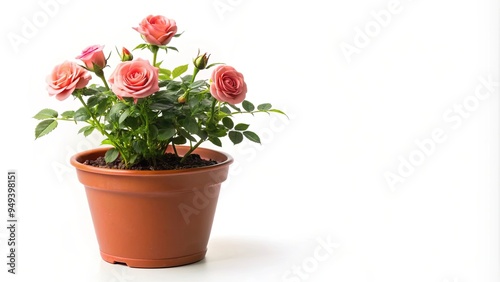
x,y
152,219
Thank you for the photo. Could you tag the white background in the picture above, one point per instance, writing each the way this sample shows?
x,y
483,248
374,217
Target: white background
x,y
319,176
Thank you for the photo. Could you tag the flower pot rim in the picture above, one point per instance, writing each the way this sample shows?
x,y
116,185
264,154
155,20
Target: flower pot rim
x,y
76,161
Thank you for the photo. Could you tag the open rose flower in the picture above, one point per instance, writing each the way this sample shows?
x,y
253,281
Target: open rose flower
x,y
65,78
157,30
136,79
228,85
93,55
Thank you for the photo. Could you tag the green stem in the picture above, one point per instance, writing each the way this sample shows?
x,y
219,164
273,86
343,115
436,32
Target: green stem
x,y
100,74
195,72
175,149
105,82
212,112
192,149
154,49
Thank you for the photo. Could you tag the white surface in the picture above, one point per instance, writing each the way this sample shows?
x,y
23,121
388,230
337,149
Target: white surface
x,y
319,175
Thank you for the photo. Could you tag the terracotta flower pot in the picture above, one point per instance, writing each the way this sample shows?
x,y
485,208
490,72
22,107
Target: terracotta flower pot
x,y
153,218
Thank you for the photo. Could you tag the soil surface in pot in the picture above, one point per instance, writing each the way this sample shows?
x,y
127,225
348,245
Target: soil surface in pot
x,y
168,162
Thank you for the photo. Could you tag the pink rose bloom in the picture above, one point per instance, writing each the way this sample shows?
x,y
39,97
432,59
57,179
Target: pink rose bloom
x,y
136,79
228,85
93,55
65,78
157,30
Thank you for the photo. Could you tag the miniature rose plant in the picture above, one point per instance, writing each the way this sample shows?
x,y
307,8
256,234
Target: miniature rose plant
x,y
141,108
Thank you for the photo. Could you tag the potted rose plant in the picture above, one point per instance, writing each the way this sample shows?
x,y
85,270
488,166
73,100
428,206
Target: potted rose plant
x,y
152,190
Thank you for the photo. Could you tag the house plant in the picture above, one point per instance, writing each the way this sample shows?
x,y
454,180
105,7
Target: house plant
x,y
152,190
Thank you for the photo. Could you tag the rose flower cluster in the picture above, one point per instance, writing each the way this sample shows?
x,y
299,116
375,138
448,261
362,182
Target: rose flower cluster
x,y
142,107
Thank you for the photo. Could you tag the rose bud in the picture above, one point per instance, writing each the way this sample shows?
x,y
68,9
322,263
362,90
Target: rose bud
x,y
201,61
126,55
182,99
93,58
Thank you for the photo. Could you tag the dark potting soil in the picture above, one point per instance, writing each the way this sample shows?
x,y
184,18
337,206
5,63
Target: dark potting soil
x,y
168,162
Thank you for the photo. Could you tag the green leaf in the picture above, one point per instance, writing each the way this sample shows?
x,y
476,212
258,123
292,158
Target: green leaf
x,y
45,127
124,115
94,100
216,141
164,81
132,158
219,132
194,101
235,137
106,142
82,114
153,131
102,107
190,125
234,107
166,133
111,155
174,86
89,91
241,126
179,140
117,108
264,107
115,111
68,114
228,122
186,80
252,136
248,106
141,46
185,134
139,146
197,84
158,64
202,134
46,114
164,74
171,48
179,70
225,109
277,111
214,64
160,106
86,130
